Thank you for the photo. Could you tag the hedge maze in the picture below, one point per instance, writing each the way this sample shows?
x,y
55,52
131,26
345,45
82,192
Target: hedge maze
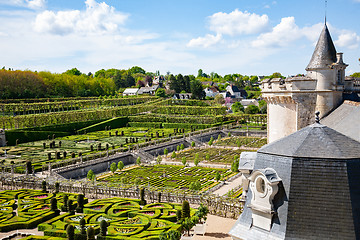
x,y
166,177
125,218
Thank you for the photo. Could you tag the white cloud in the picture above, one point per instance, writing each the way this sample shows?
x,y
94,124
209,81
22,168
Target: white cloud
x,y
98,18
205,42
33,4
237,22
348,39
281,35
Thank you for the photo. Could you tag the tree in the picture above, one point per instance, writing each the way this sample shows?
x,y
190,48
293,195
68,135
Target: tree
x,y
182,146
211,141
170,235
64,207
187,224
183,161
103,227
200,73
186,83
120,165
160,92
90,175
237,107
166,151
90,233
113,167
57,187
235,166
219,99
158,160
82,223
138,161
207,157
178,215
142,197
80,203
252,109
53,204
217,176
174,85
28,167
195,185
73,71
196,162
192,144
173,155
43,186
70,232
136,69
197,90
202,212
185,210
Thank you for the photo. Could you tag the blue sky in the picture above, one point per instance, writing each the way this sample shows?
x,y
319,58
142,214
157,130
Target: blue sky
x,y
229,36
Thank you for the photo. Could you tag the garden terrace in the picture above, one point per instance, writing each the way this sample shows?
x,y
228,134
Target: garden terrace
x,y
89,146
166,177
245,142
69,105
208,155
127,219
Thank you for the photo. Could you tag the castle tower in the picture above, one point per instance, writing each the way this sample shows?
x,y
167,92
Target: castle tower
x,y
293,101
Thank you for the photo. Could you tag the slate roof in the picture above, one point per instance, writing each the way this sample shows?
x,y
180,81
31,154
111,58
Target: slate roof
x,y
345,119
325,52
247,160
315,141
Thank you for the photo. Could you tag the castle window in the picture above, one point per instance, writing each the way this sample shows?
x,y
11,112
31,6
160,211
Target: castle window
x,y
339,76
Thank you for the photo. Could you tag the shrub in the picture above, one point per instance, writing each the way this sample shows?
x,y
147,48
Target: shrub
x,y
185,210
173,155
158,160
90,175
43,186
82,223
65,207
103,228
120,165
80,203
70,232
166,151
217,176
183,161
192,144
53,204
178,215
138,161
57,187
142,197
182,146
196,162
178,148
170,235
195,185
90,233
113,167
28,167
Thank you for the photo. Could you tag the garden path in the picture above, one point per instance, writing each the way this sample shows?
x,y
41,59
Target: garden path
x,y
229,185
217,228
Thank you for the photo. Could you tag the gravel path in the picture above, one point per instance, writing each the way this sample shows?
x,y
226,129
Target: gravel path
x,y
217,228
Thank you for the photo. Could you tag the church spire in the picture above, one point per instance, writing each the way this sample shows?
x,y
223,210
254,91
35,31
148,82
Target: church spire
x,y
325,52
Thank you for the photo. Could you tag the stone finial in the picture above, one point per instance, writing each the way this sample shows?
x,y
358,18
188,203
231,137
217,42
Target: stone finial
x,y
317,118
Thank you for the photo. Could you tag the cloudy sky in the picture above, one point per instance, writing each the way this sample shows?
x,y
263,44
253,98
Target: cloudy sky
x,y
255,37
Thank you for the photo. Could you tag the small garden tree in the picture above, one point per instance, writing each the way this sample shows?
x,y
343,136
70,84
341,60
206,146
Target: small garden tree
x,y
113,167
196,162
142,197
103,227
183,161
195,185
182,147
219,137
43,186
70,232
82,223
138,161
53,204
170,235
173,155
80,203
202,212
120,165
178,215
166,151
90,233
185,210
90,175
178,148
64,207
28,167
192,144
207,157
211,141
187,224
158,160
57,187
217,176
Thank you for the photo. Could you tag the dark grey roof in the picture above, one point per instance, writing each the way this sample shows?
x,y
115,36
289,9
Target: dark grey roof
x,y
315,141
325,52
345,119
270,175
247,160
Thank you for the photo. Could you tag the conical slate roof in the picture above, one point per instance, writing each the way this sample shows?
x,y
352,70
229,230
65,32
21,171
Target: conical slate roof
x,y
325,52
315,141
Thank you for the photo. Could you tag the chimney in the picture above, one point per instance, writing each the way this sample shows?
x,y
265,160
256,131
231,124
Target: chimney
x,y
339,59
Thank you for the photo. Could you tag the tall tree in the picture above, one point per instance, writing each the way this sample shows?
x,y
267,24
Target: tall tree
x,y
174,85
197,90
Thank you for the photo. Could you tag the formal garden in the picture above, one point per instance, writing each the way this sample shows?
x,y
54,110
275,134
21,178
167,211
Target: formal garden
x,y
71,216
246,142
167,178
